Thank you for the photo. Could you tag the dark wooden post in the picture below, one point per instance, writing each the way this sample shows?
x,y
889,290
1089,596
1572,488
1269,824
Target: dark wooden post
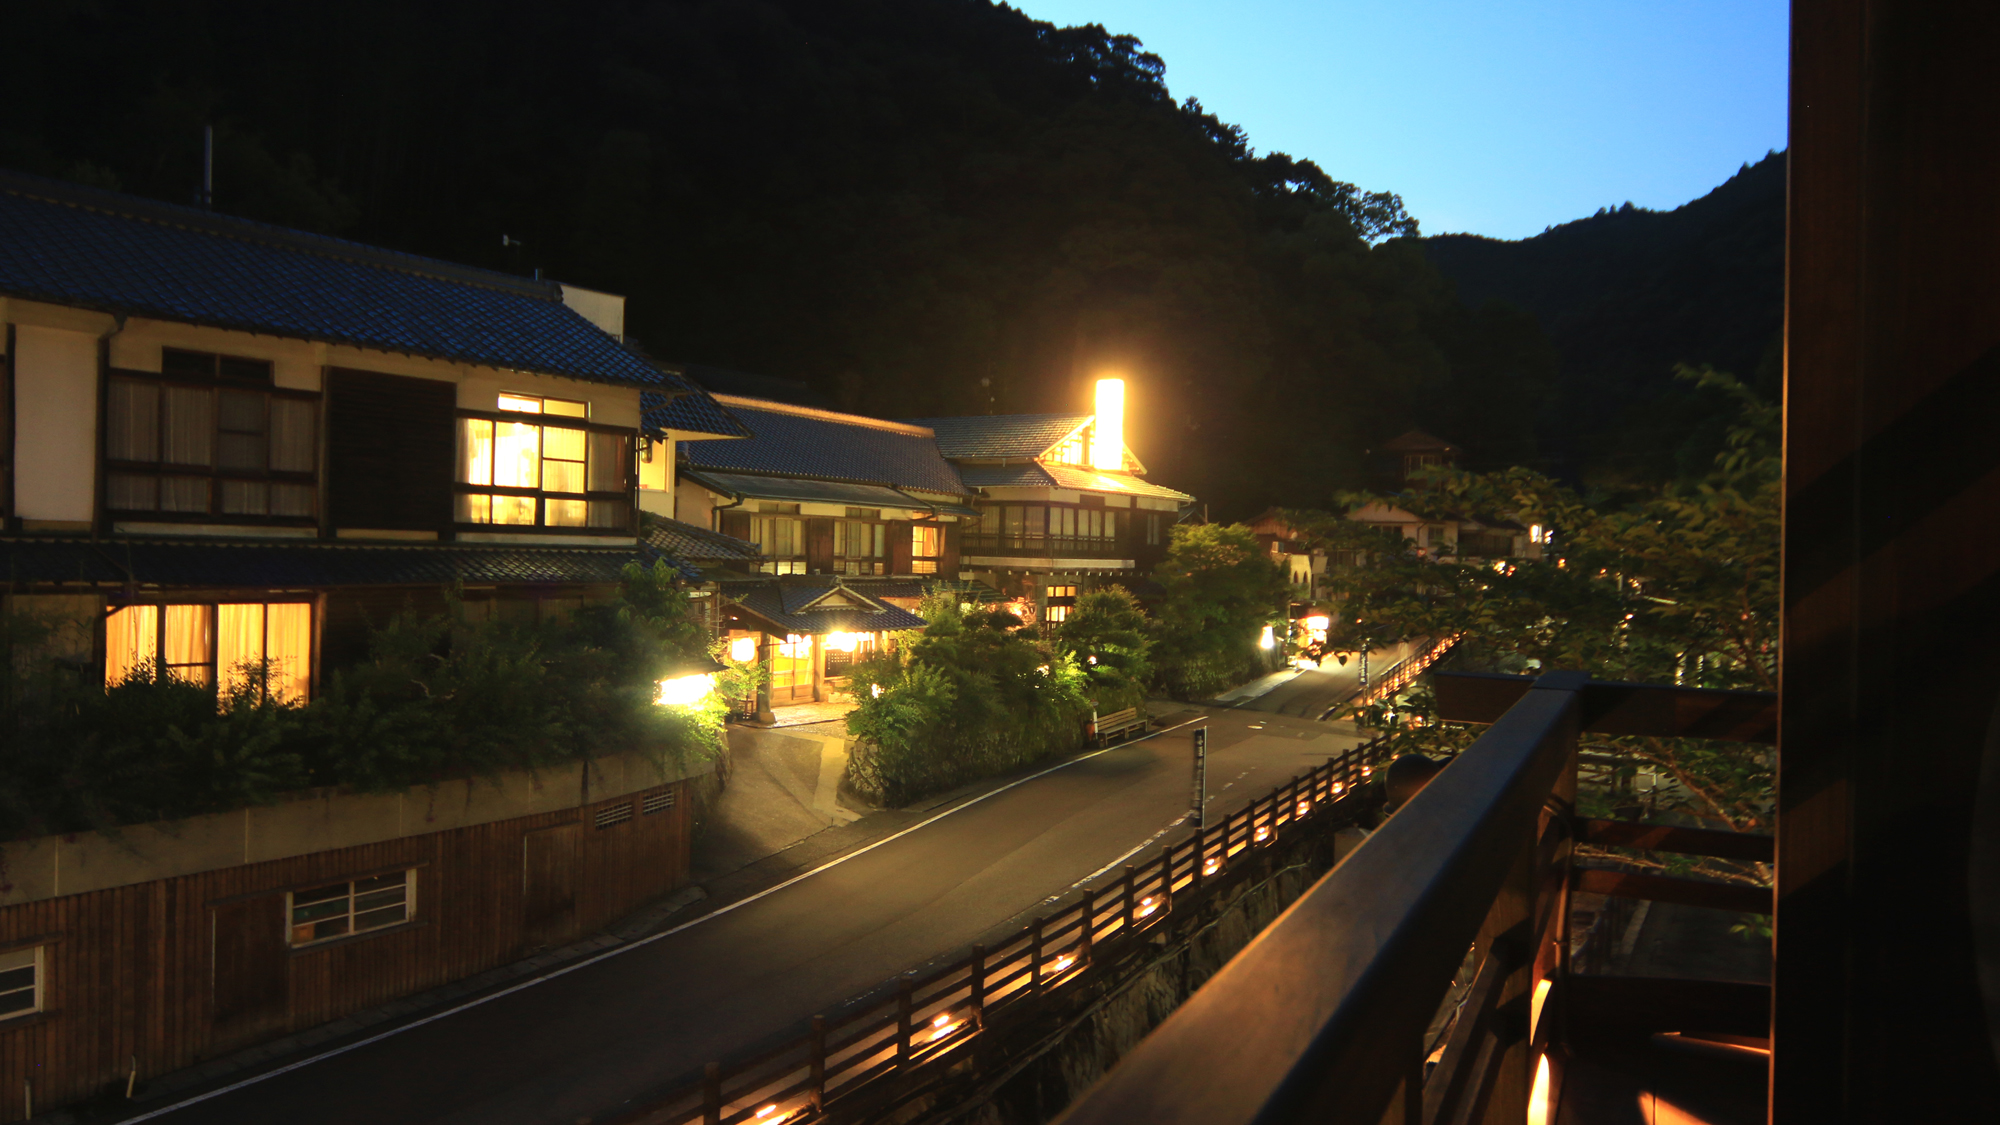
x,y
1086,923
1167,879
711,1094
1130,893
1035,956
904,1005
976,986
1200,859
819,1064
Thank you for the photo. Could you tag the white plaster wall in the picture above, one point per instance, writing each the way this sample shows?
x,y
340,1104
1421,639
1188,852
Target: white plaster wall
x,y
55,424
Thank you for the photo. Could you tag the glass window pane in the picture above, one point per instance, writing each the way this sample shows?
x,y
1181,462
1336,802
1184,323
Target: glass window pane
x,y
333,928
374,919
881,540
564,444
178,364
288,647
1038,522
294,436
239,646
525,404
240,418
14,979
23,1000
566,407
190,426
245,497
517,455
190,647
380,882
291,500
132,421
475,508
245,370
321,894
313,912
562,476
514,510
610,463
132,493
568,513
475,451
184,494
131,642
609,513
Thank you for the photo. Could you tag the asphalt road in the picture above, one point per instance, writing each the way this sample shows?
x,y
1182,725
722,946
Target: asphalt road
x,y
589,1043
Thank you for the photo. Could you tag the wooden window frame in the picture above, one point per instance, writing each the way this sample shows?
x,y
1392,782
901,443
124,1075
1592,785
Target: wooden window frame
x,y
213,473
211,604
992,532
38,987
409,905
541,496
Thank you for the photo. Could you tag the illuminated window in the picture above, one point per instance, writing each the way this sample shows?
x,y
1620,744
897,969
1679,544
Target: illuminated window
x,y
197,643
353,907
210,437
519,473
21,974
926,545
1059,601
1074,449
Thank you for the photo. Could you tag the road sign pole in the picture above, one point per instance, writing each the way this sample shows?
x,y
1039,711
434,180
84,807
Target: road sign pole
x,y
1200,776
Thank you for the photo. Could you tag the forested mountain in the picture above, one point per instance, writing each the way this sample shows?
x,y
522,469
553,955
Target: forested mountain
x,y
1624,296
916,206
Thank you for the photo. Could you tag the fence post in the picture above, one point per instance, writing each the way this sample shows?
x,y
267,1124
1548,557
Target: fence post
x,y
1131,893
711,1094
819,1064
1035,957
1200,859
977,991
904,1005
1086,925
1166,880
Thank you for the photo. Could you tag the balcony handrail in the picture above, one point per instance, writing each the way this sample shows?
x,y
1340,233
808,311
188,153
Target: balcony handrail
x,y
1322,1017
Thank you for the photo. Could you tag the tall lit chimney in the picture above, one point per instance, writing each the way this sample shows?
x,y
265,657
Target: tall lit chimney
x,y
1107,441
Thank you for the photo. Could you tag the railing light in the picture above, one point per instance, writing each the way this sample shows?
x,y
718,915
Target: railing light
x,y
1264,833
1213,865
1146,906
944,1025
1062,963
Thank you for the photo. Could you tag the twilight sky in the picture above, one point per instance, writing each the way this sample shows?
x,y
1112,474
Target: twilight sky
x,y
1498,117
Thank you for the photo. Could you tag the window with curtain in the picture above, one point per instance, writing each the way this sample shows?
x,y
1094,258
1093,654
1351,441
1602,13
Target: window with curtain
x,y
860,548
926,545
538,462
211,438
233,645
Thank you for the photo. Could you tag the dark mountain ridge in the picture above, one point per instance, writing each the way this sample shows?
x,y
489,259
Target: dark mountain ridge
x,y
1626,294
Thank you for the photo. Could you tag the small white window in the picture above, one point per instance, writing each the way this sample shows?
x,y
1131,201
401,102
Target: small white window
x,y
339,909
21,982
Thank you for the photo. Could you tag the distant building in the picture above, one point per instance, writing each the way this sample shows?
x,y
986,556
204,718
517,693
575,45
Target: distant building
x,y
1392,465
1062,504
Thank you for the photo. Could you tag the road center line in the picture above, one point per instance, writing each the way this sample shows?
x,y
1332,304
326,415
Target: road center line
x,y
630,946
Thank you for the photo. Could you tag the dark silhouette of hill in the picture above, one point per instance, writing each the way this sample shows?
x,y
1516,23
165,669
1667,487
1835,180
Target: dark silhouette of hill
x,y
1627,294
916,207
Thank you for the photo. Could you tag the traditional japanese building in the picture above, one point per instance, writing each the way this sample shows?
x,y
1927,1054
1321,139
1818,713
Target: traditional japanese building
x,y
1062,505
851,520
226,442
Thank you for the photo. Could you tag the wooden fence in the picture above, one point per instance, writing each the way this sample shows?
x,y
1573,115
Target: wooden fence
x,y
932,1021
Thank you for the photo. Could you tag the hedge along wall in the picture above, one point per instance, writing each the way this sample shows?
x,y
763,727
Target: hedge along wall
x,y
173,943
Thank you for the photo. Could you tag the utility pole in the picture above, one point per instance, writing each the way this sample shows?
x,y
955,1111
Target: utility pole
x,y
1200,778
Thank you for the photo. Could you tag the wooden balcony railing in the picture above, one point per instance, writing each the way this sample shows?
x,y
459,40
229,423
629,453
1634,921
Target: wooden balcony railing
x,y
1325,1017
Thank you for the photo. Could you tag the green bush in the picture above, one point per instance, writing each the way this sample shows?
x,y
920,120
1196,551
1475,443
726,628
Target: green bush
x,y
969,695
439,698
1106,635
1221,593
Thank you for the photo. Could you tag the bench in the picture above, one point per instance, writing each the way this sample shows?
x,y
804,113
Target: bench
x,y
1123,723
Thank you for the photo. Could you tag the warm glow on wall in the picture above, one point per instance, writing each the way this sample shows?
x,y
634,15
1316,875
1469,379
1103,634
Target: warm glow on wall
x,y
840,642
686,691
1538,1097
1107,440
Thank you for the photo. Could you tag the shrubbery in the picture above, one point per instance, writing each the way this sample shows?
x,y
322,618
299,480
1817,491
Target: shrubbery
x,y
969,695
439,698
1221,591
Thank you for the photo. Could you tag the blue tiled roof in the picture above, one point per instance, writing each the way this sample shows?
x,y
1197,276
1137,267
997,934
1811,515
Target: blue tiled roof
x,y
1001,435
689,412
1064,476
689,543
115,253
820,444
781,602
277,563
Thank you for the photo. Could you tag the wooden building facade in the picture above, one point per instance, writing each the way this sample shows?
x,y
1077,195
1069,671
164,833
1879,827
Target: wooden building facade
x,y
150,975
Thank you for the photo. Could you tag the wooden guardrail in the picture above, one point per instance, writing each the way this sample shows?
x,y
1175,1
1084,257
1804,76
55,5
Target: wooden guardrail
x,y
1324,1018
932,1020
